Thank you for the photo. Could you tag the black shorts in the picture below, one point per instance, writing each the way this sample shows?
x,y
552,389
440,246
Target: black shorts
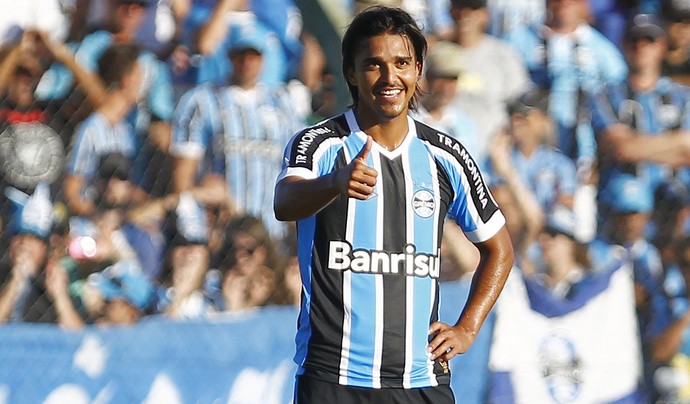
x,y
313,391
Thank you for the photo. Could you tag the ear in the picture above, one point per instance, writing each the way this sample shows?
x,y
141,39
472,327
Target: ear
x,y
350,75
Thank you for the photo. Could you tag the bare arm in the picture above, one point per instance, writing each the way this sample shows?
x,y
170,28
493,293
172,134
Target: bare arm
x,y
10,294
487,283
216,29
9,62
357,180
93,86
620,143
72,185
56,286
669,342
525,201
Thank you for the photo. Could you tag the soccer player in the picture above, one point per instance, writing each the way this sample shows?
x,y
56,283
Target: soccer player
x,y
370,189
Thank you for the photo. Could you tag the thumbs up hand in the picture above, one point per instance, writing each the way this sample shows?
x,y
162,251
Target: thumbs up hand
x,y
357,179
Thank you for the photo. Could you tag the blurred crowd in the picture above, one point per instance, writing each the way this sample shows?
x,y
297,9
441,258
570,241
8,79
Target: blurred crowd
x,y
140,141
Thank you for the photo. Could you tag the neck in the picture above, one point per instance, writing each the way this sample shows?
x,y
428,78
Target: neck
x,y
116,108
644,79
468,38
388,134
564,27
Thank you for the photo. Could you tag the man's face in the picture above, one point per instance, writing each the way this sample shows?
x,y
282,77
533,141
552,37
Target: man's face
x,y
133,81
246,67
566,11
385,72
644,53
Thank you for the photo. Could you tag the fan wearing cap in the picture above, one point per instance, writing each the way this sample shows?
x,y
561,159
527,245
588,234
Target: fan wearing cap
x,y
565,261
628,203
571,59
676,14
492,72
643,124
438,107
120,294
527,175
22,297
233,136
154,103
188,257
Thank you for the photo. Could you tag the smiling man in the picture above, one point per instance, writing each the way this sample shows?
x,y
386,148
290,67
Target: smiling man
x,y
370,189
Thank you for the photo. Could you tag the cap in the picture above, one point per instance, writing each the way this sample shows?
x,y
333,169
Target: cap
x,y
123,280
444,60
534,99
626,193
561,220
642,26
143,3
675,10
247,37
473,4
190,220
114,165
32,214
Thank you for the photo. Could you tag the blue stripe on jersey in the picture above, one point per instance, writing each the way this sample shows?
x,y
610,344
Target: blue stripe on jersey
x,y
305,244
361,355
423,229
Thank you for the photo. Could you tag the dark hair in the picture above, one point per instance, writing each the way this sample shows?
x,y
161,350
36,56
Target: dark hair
x,y
116,62
375,21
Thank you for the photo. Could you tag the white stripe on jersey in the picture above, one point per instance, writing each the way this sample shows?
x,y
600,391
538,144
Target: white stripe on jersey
x,y
471,207
409,289
347,291
437,245
378,340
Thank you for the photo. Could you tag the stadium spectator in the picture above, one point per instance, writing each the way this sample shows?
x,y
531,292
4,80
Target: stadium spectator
x,y
247,265
229,21
672,349
107,129
236,134
121,294
28,124
569,58
492,73
528,176
677,61
189,261
155,104
437,105
628,204
642,124
23,297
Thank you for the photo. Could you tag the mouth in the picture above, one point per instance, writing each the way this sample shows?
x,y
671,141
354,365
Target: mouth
x,y
390,94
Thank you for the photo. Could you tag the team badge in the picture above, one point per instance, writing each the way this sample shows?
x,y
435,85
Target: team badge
x,y
30,153
423,203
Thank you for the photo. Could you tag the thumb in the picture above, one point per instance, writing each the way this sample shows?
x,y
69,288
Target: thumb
x,y
364,153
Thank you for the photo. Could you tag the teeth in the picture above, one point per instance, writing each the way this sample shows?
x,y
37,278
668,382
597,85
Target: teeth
x,y
390,93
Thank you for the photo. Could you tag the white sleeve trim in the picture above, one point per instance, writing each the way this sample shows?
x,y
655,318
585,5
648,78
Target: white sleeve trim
x,y
488,229
187,150
296,172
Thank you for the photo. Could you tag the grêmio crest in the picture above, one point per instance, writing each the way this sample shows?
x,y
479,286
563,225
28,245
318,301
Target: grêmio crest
x,y
30,153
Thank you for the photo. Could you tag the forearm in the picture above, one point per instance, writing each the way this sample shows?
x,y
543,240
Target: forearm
x,y
626,145
291,201
488,281
670,340
67,315
213,32
93,87
7,66
8,298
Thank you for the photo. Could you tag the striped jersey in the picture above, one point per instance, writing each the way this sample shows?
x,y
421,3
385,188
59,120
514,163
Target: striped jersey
x,y
240,134
95,138
370,268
